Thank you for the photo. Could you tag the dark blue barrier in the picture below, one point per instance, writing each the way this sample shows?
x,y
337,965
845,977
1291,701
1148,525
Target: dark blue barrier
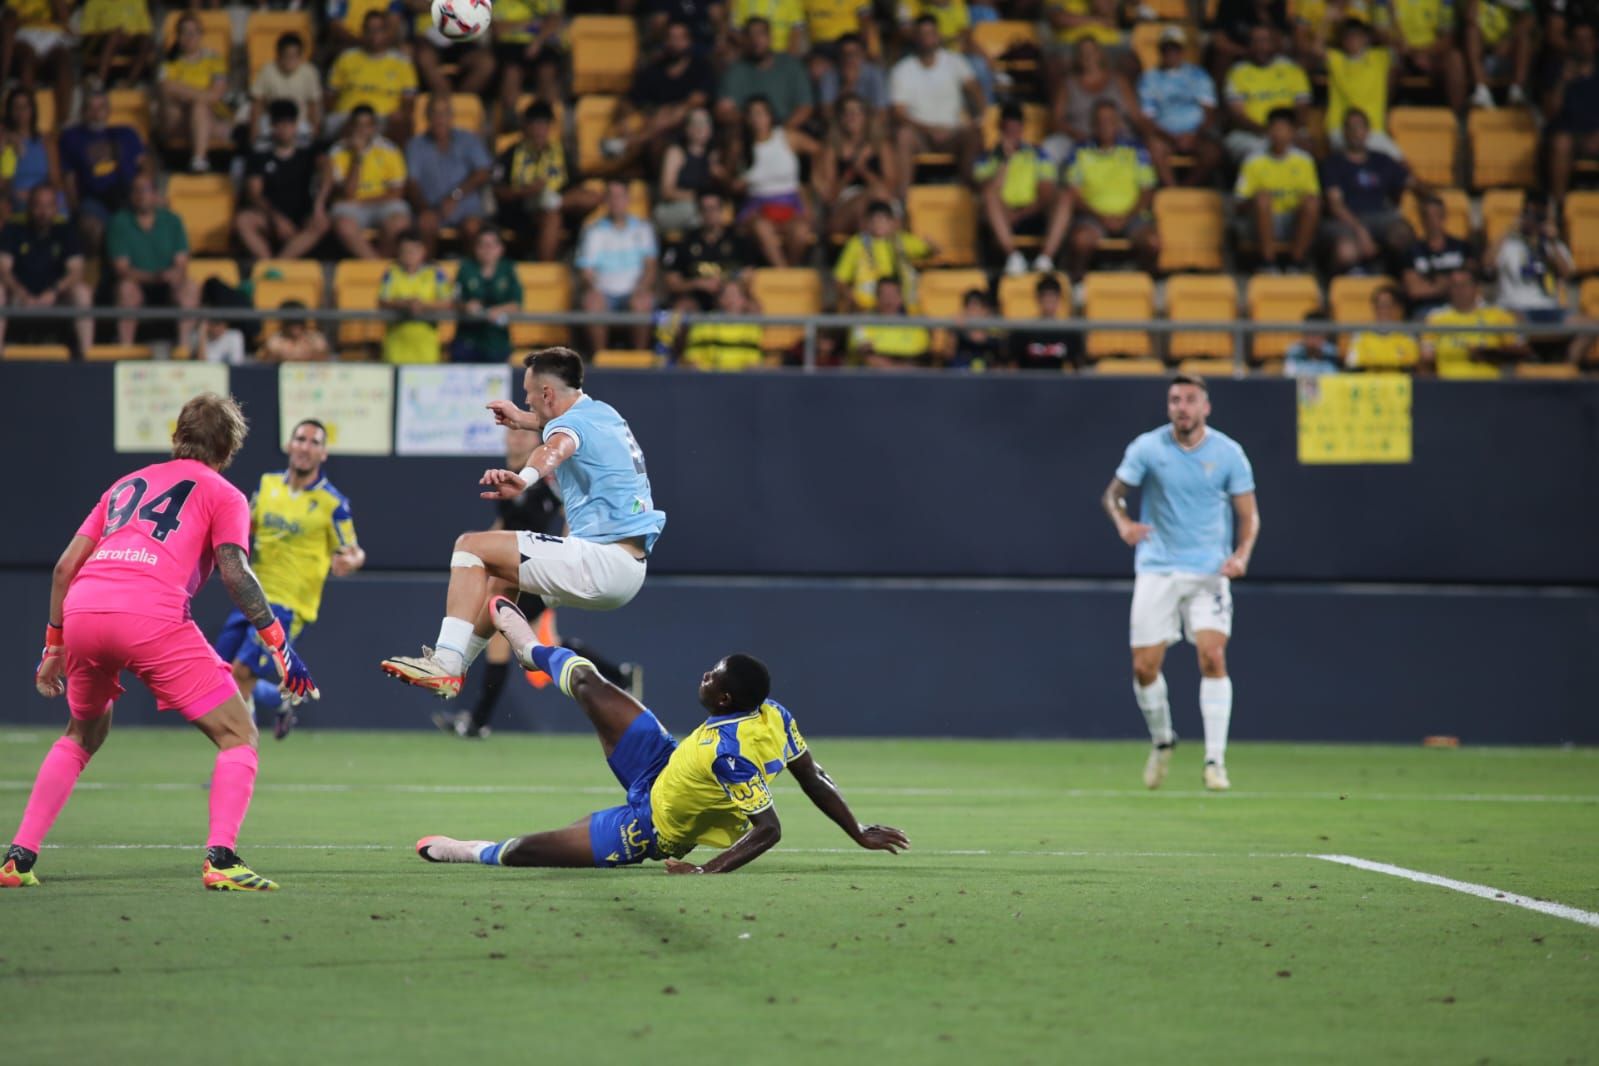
x,y
984,659
994,476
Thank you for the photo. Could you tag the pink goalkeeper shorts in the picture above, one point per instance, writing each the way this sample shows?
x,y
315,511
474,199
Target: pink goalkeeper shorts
x,y
173,659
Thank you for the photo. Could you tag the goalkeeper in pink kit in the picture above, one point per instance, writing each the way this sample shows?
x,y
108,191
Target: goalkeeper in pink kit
x,y
119,600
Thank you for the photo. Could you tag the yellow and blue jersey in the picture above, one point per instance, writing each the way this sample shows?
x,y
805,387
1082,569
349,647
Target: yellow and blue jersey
x,y
720,775
295,535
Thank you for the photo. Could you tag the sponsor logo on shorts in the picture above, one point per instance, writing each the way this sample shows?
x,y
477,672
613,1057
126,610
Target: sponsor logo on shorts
x,y
127,555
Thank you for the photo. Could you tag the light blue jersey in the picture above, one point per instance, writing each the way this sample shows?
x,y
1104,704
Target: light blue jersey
x,y
604,486
1187,498
1175,99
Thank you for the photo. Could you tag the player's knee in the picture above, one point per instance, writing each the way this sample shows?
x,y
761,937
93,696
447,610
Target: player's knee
x,y
1146,673
1213,662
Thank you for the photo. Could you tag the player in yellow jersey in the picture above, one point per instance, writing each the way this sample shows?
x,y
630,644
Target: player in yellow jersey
x,y
302,531
714,788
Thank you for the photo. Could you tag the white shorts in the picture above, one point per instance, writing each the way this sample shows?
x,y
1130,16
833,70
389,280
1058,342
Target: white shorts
x,y
1169,607
569,572
42,40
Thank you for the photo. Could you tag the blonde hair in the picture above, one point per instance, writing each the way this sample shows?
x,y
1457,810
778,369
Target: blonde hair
x,y
210,429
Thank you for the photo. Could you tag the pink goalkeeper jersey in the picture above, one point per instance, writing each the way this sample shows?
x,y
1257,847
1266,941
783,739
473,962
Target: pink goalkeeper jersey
x,y
157,531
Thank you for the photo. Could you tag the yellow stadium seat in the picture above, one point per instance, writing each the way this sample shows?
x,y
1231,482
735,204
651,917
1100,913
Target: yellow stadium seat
x,y
1018,295
1146,42
994,39
216,30
625,359
1504,148
1280,299
36,353
306,270
1429,137
44,109
546,287
466,114
1192,225
1201,298
1582,229
1457,211
1208,368
1588,298
104,353
262,30
1545,371
1170,10
1500,210
1035,124
604,53
355,288
272,293
939,293
224,270
786,291
205,203
947,216
131,107
1117,296
593,118
1350,297
1139,367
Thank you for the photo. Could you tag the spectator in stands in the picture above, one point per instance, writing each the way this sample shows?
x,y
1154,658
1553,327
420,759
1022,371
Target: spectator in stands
x,y
1464,354
473,60
691,167
1357,80
1313,354
1316,25
413,287
700,17
98,162
1018,187
366,185
448,169
1532,264
931,89
487,285
776,77
667,91
375,76
287,77
34,37
1571,106
774,212
526,36
830,21
217,342
297,341
856,74
192,84
1110,185
1424,36
855,167
976,349
27,157
1499,39
616,258
532,186
716,344
149,253
890,347
41,265
1178,102
785,22
1231,25
1046,349
1384,349
1258,85
112,28
280,209
1279,198
954,20
881,250
1089,81
708,258
1076,21
1433,260
1560,18
1363,187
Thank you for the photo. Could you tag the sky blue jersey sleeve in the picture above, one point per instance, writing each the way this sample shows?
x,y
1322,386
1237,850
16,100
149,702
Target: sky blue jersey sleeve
x,y
1134,464
1240,475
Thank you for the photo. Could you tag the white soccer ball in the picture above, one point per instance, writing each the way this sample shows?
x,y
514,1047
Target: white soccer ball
x,y
462,20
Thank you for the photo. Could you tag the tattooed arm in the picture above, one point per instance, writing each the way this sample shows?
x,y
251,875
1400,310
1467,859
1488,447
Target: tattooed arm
x,y
243,586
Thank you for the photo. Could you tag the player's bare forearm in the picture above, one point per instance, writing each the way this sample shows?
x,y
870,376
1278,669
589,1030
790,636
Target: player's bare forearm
x,y
822,791
765,831
244,589
1246,511
1114,501
72,559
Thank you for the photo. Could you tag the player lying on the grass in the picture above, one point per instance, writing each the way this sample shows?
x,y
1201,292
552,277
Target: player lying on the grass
x,y
713,789
301,529
119,600
599,467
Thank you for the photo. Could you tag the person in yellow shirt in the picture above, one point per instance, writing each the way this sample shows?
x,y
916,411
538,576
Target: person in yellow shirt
x,y
526,39
1081,20
1018,188
1259,84
714,344
890,347
1359,78
35,41
193,82
413,287
374,75
1499,41
828,20
1424,37
880,250
116,27
1109,187
1465,354
785,18
365,179
1379,349
1279,194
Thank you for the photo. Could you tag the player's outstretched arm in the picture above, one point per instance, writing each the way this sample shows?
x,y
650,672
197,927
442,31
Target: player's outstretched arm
x,y
244,588
504,485
821,790
47,677
764,832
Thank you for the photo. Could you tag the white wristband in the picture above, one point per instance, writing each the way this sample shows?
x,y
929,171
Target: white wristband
x,y
530,475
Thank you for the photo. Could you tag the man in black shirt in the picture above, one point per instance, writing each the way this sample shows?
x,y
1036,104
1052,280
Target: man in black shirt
x,y
665,91
41,266
1433,259
1037,349
698,264
279,207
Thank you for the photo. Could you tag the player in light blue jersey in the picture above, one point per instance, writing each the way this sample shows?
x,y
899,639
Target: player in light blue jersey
x,y
612,519
1197,526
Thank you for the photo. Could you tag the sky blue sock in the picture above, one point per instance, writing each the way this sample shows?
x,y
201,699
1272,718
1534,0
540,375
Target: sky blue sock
x,y
267,696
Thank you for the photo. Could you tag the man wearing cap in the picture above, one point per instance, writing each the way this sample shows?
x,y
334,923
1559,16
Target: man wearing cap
x,y
1178,102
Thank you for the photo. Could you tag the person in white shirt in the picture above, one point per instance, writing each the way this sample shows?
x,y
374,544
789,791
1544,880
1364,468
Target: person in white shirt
x,y
1533,264
217,342
935,96
616,256
287,77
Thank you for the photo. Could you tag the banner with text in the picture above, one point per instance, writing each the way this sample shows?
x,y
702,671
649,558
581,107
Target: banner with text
x,y
442,410
1355,418
149,396
355,402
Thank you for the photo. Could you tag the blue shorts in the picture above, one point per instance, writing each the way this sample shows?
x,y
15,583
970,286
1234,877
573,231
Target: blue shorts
x,y
625,835
237,642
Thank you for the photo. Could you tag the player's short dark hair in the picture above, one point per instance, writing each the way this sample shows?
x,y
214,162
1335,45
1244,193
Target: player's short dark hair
x,y
1282,114
539,111
746,680
557,362
1048,283
317,422
286,39
283,111
1189,379
211,429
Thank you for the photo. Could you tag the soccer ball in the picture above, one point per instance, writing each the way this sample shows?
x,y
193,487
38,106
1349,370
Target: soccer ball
x,y
462,20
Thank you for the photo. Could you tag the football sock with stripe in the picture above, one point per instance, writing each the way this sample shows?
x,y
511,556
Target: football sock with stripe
x,y
490,854
1216,709
558,662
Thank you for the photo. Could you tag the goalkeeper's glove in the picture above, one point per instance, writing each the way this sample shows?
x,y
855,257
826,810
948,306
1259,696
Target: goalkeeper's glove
x,y
47,675
294,680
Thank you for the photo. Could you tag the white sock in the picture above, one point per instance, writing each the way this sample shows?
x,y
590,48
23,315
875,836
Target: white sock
x,y
1157,709
474,648
455,637
1216,708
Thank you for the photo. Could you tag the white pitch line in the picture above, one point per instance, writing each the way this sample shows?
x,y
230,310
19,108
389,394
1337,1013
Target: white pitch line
x,y
1557,910
940,853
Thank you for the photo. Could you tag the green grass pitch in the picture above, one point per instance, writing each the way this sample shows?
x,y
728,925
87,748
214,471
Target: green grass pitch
x,y
1052,911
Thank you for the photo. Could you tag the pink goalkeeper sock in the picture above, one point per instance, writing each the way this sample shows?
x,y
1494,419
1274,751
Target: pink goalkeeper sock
x,y
51,789
232,783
